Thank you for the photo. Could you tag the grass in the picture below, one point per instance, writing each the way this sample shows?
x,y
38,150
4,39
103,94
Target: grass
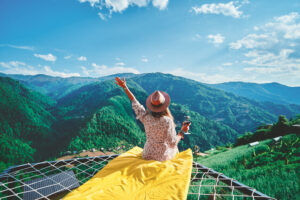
x,y
264,167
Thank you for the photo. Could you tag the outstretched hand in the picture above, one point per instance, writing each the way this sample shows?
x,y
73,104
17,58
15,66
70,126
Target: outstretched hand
x,y
120,82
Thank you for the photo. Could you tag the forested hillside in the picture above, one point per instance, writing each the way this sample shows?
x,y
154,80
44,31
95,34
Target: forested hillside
x,y
25,122
271,92
110,102
57,87
88,114
267,166
239,113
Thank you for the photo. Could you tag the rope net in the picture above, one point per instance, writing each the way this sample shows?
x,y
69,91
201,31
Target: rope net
x,y
54,179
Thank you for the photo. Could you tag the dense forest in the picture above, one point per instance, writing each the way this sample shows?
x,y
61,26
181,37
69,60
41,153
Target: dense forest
x,y
41,117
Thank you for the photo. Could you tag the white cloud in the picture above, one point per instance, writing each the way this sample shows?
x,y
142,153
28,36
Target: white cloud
x,y
281,60
204,77
16,67
227,9
288,25
11,64
286,19
48,57
272,50
103,70
49,71
254,74
92,2
102,16
82,58
161,4
282,30
255,40
227,64
144,59
117,5
111,6
17,47
120,64
216,39
280,67
67,57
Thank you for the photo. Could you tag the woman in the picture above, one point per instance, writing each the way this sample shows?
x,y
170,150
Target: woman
x,y
161,140
156,172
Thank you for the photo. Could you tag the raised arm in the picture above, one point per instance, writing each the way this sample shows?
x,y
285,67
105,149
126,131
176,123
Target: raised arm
x,y
139,109
124,86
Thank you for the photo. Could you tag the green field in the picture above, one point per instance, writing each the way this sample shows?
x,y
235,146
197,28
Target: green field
x,y
269,167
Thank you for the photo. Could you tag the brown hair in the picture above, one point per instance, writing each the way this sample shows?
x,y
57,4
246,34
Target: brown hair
x,y
166,112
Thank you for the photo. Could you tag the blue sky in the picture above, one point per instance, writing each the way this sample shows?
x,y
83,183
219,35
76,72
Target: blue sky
x,y
206,40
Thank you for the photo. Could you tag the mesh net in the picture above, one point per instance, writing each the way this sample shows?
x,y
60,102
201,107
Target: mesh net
x,y
54,179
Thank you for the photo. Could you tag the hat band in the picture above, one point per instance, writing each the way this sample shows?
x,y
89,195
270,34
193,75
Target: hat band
x,y
157,105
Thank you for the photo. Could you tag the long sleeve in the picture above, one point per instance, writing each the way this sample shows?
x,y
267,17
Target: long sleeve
x,y
171,134
138,109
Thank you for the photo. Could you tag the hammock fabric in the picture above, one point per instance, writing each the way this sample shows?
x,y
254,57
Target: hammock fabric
x,y
129,176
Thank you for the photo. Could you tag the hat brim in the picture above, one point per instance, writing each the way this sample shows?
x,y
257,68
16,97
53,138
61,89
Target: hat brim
x,y
161,107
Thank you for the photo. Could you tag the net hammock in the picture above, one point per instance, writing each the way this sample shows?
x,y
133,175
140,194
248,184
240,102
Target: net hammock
x,y
54,179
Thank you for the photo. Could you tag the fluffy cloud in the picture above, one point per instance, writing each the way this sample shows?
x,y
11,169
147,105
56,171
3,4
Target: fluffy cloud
x,y
103,70
288,25
16,67
48,57
92,2
227,9
281,31
272,50
216,39
161,4
255,41
82,58
120,5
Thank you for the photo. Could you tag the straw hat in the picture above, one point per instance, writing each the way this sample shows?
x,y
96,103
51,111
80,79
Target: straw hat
x,y
158,101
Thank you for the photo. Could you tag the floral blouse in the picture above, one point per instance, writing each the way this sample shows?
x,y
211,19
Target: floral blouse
x,y
160,134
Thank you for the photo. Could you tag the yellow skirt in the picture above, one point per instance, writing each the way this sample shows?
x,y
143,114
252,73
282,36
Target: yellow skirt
x,y
129,176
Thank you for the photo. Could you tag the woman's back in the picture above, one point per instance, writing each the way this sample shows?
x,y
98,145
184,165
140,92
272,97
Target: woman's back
x,y
160,134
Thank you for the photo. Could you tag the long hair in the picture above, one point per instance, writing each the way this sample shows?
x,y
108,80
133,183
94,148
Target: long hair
x,y
166,112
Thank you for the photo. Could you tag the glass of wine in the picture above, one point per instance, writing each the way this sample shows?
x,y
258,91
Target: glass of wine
x,y
187,121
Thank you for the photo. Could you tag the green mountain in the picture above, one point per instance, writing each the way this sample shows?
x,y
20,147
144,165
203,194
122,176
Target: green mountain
x,y
102,102
238,112
271,92
25,122
57,87
91,113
